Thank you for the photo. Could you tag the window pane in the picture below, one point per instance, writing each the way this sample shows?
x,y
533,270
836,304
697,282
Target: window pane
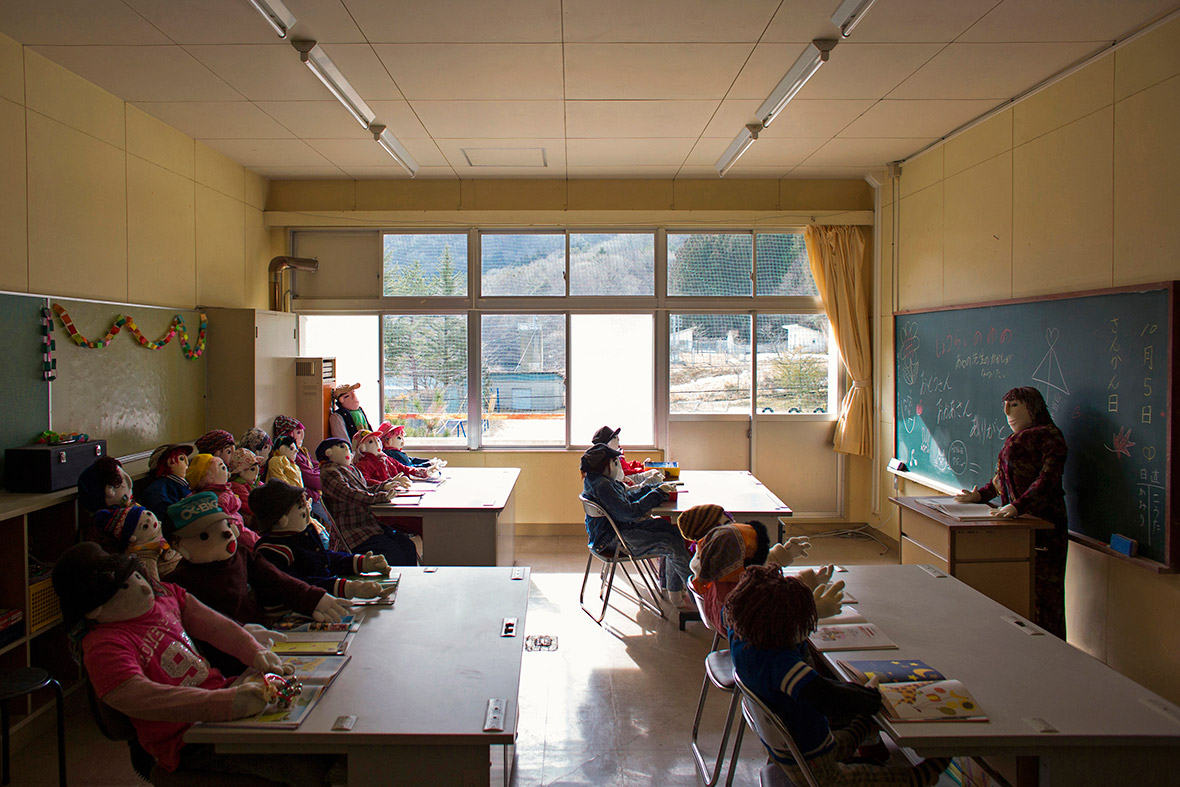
x,y
425,359
794,366
352,341
710,264
606,264
417,265
523,264
782,265
709,363
523,379
612,381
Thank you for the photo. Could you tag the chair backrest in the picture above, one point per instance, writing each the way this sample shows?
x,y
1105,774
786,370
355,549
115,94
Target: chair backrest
x,y
699,600
593,509
770,728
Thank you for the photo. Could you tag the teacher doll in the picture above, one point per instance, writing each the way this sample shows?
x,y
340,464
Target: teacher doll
x,y
1028,481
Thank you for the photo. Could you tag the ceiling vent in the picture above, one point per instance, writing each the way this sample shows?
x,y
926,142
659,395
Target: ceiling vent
x,y
506,157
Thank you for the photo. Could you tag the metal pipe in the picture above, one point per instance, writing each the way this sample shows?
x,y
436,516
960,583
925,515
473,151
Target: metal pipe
x,y
276,268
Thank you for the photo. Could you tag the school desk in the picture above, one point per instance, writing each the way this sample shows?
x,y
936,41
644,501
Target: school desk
x,y
1105,728
994,556
468,520
421,675
737,491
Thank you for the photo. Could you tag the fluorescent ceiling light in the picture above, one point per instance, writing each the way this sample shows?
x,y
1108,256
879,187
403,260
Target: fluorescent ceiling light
x,y
314,57
814,56
394,148
849,14
276,14
740,144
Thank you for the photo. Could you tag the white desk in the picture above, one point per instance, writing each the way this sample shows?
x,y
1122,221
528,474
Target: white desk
x,y
419,682
737,491
1111,730
468,520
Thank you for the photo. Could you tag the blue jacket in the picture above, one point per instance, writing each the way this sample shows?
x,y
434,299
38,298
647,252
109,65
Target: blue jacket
x,y
627,506
163,492
406,459
302,555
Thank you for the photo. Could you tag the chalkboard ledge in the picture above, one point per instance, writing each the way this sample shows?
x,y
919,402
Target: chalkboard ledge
x,y
938,486
1105,549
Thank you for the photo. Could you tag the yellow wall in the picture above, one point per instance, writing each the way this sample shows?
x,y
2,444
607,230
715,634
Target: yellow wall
x,y
1074,188
102,201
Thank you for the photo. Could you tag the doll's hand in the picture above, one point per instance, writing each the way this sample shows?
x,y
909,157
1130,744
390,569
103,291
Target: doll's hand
x,y
1007,511
269,661
249,699
371,563
331,609
652,477
787,553
401,481
813,578
264,636
362,588
968,496
439,463
828,599
666,488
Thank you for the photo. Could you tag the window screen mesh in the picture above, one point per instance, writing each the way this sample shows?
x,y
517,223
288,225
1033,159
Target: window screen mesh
x,y
709,363
710,264
523,264
523,378
424,265
610,264
425,358
793,363
782,265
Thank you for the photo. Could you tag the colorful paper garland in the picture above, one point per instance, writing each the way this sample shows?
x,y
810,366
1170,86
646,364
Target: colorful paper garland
x,y
177,327
48,362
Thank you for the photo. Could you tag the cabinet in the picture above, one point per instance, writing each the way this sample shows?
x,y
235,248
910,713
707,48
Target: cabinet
x,y
249,368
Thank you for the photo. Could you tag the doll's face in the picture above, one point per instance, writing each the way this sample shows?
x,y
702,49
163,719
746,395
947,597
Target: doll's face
x,y
226,454
296,519
250,474
370,445
147,531
349,401
132,599
288,451
215,542
339,454
298,434
1018,415
614,443
119,495
178,466
395,440
615,470
217,473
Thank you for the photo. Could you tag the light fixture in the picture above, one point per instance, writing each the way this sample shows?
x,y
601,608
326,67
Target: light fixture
x,y
314,57
740,143
276,14
814,56
394,148
849,14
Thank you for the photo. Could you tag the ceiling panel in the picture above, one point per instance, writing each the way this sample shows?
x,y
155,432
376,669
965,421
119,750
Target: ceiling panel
x,y
655,71
397,173
610,21
864,152
852,70
269,152
300,173
458,21
143,73
443,72
889,21
507,119
329,120
453,150
603,119
346,153
628,172
237,22
766,152
74,22
1066,20
801,118
997,71
217,119
927,118
639,152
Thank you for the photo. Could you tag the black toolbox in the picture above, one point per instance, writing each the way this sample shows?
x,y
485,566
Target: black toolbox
x,y
48,468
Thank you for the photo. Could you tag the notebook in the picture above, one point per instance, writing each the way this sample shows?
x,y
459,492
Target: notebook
x,y
850,636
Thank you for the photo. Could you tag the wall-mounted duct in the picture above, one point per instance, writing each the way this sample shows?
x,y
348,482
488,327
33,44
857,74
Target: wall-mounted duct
x,y
278,299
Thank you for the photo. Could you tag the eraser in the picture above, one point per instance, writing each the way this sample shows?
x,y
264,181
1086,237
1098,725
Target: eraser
x,y
897,464
1123,545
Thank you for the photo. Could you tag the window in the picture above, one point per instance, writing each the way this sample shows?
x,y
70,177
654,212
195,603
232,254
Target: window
x,y
612,264
709,363
710,265
612,376
416,265
352,341
528,264
795,368
523,372
783,268
424,357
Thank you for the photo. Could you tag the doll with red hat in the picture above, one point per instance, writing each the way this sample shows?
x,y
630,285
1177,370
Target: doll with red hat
x,y
207,473
137,645
135,531
167,468
376,466
346,416
393,438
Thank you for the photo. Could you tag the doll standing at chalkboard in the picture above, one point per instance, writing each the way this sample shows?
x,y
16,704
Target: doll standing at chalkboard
x,y
1028,481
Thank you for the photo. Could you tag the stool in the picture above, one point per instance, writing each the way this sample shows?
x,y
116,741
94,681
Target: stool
x,y
24,681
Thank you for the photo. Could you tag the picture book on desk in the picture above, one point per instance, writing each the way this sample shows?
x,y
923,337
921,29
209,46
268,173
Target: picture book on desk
x,y
850,636
891,670
316,670
964,512
273,717
313,643
391,581
938,700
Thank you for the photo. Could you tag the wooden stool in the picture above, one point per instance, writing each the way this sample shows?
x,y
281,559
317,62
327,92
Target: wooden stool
x,y
24,681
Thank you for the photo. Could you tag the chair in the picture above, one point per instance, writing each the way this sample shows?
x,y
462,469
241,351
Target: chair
x,y
718,672
20,683
774,734
618,557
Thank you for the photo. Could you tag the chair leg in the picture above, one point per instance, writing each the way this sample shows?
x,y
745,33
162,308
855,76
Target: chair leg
x,y
712,774
737,745
61,732
4,724
653,604
585,577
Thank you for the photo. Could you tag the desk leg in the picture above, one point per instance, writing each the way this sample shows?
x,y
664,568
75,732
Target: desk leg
x,y
412,766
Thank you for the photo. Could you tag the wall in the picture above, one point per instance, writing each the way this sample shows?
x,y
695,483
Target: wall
x,y
1074,188
102,201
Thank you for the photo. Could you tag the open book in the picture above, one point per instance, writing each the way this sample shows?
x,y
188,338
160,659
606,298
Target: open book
x,y
274,717
850,636
964,512
391,581
938,700
891,670
313,643
316,670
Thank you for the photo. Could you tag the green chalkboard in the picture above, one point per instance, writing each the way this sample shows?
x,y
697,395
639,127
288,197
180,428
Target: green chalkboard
x,y
1103,361
25,413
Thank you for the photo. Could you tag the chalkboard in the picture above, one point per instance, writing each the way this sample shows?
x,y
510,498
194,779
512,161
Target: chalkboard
x,y
25,413
1102,360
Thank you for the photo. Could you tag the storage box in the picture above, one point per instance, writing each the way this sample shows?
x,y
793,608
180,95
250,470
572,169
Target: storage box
x,y
44,605
671,470
48,468
11,628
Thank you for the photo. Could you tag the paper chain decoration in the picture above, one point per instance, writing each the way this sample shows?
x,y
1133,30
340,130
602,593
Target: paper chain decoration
x,y
48,362
177,327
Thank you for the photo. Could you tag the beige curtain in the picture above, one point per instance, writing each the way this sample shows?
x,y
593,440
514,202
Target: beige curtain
x,y
836,255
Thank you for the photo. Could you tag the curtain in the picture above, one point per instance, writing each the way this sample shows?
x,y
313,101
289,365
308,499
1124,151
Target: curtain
x,y
836,255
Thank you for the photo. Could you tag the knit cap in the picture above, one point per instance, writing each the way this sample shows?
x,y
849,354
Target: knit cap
x,y
597,458
721,552
213,441
94,480
118,524
197,466
162,451
195,512
271,501
321,450
257,440
285,424
606,434
86,576
699,520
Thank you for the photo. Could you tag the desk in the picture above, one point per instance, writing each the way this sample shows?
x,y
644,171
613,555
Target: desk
x,y
419,683
468,520
1111,730
737,491
996,557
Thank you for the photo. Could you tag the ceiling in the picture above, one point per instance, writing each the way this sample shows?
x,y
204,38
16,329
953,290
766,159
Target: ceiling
x,y
569,88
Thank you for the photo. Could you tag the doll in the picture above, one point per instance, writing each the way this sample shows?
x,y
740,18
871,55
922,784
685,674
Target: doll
x,y
310,471
770,617
218,443
376,466
346,416
135,531
281,464
167,468
256,440
289,541
105,484
207,473
244,469
141,660
393,438
634,473
349,497
696,522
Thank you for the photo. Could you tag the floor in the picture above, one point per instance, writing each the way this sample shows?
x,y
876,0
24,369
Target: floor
x,y
613,705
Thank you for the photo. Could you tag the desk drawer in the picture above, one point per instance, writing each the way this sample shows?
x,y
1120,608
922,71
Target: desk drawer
x,y
991,544
933,536
914,553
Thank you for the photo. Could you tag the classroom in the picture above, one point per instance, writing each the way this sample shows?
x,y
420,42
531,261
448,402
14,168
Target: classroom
x,y
548,197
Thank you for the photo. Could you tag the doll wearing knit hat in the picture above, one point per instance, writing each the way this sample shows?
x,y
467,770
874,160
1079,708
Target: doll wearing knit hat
x,y
244,468
208,473
167,468
105,484
289,541
135,531
218,443
696,522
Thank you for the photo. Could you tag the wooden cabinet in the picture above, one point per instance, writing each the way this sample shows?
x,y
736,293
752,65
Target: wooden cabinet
x,y
250,368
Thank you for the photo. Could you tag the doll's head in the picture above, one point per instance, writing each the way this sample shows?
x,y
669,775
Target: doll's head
x,y
286,425
206,470
608,436
392,436
280,508
201,531
366,442
245,466
334,450
697,521
1025,407
256,440
770,611
603,460
727,549
96,585
345,396
285,446
127,528
170,459
104,485
218,443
